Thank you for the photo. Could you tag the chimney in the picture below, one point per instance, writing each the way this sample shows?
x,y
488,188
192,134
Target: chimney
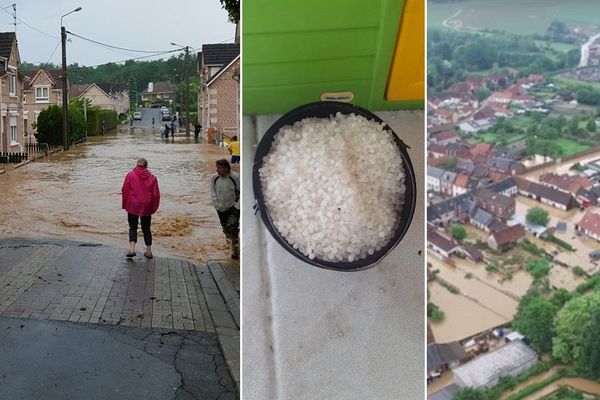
x,y
150,86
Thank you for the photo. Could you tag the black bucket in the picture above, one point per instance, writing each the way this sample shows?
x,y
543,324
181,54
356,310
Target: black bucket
x,y
325,109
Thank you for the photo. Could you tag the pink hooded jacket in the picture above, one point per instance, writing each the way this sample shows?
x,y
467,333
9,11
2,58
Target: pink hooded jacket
x,y
140,192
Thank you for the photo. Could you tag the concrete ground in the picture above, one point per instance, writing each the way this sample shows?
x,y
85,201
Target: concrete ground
x,y
311,333
83,319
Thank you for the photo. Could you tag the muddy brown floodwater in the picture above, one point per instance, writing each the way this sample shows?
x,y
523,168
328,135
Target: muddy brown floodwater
x,y
77,194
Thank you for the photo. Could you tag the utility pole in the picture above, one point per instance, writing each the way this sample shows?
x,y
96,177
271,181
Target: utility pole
x,y
65,90
63,37
187,91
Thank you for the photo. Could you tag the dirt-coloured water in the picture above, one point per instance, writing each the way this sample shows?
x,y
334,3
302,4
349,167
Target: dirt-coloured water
x,y
77,194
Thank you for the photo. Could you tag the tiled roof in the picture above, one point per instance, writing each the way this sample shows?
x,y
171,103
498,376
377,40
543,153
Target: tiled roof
x,y
463,203
54,74
482,217
112,87
448,176
435,172
545,192
76,90
161,87
6,42
437,148
220,54
481,149
440,241
444,135
503,185
570,183
509,234
461,180
590,222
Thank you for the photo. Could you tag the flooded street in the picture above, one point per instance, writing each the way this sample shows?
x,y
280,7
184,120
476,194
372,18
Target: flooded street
x,y
583,246
482,303
77,194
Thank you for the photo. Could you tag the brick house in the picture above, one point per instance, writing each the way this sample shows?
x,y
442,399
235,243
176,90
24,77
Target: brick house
x,y
440,244
106,95
505,238
434,175
546,194
567,183
158,92
42,88
497,204
11,102
219,97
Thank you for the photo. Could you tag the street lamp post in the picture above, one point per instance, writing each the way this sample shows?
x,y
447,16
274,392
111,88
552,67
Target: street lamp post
x,y
65,90
186,78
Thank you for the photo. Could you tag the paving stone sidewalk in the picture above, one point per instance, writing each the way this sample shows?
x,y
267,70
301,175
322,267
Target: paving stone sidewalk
x,y
59,280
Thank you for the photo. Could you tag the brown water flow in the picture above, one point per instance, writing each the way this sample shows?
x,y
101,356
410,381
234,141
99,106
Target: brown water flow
x,y
77,194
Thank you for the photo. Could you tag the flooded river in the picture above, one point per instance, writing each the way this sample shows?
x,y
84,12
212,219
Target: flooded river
x,y
77,194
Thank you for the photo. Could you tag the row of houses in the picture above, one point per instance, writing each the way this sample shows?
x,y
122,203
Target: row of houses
x,y
23,95
489,209
218,70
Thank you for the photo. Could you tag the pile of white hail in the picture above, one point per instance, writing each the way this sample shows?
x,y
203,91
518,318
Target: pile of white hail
x,y
334,188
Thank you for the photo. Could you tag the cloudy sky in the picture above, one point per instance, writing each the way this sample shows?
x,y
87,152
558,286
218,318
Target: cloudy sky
x,y
132,24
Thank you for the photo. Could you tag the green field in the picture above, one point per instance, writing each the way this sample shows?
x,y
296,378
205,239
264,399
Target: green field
x,y
574,83
570,147
514,16
492,138
556,46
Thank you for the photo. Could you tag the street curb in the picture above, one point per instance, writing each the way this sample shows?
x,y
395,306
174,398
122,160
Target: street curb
x,y
225,319
231,296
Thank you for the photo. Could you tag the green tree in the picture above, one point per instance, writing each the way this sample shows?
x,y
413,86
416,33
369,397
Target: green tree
x,y
538,268
560,297
591,125
537,215
458,232
434,313
233,9
590,362
571,327
481,94
49,126
448,163
534,319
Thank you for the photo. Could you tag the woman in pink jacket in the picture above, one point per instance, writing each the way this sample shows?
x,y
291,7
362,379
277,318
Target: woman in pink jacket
x,y
141,197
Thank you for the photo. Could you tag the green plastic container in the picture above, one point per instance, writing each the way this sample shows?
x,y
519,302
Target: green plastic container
x,y
295,51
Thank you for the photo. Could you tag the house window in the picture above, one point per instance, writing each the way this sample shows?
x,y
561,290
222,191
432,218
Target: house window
x,y
13,130
41,94
12,85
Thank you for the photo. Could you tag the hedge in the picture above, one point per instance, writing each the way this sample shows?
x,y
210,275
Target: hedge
x,y
559,242
49,124
95,117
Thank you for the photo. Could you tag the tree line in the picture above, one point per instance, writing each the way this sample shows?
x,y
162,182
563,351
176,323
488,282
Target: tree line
x,y
452,55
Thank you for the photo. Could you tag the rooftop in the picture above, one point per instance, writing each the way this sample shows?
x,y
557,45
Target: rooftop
x,y
485,370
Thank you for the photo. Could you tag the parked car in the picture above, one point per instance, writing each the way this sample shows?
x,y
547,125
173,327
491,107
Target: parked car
x,y
137,116
166,116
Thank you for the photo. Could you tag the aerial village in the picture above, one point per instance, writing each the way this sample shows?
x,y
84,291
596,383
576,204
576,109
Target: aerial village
x,y
504,213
